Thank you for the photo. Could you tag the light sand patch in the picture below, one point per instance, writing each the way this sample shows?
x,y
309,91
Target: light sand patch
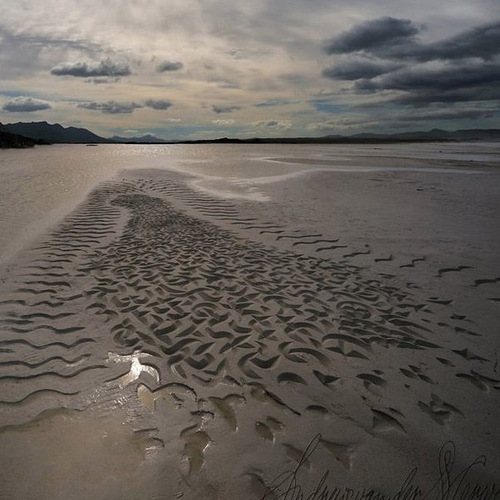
x,y
67,454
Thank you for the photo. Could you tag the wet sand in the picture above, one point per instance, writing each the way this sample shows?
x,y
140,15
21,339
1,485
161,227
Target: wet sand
x,y
170,341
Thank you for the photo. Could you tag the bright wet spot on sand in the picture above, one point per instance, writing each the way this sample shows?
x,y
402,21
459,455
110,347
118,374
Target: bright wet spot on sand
x,y
136,367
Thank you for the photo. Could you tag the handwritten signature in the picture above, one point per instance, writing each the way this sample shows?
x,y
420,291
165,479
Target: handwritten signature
x,y
451,484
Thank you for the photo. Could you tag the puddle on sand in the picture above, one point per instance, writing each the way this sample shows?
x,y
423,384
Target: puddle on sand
x,y
67,454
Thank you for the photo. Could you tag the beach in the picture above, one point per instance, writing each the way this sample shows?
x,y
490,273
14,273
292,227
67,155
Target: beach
x,y
300,323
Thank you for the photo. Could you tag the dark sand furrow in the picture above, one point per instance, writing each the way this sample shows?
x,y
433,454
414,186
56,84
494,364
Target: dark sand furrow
x,y
51,275
91,231
413,262
314,242
446,270
292,237
384,259
60,331
45,361
51,374
267,226
48,345
35,394
46,316
486,282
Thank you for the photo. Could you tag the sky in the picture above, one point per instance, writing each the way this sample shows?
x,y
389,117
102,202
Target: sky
x,y
202,69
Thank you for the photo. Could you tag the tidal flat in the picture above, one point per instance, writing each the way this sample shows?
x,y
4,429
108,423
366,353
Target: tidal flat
x,y
250,322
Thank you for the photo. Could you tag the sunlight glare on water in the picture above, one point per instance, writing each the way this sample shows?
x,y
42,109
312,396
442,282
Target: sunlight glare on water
x,y
38,186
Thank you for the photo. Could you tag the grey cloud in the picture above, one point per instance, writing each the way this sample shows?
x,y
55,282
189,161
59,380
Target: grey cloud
x,y
102,81
222,123
423,98
228,85
272,124
169,66
159,104
25,105
110,107
373,34
339,123
42,41
113,107
273,102
395,44
86,70
448,78
479,82
447,114
367,86
391,38
225,109
24,54
355,70
482,41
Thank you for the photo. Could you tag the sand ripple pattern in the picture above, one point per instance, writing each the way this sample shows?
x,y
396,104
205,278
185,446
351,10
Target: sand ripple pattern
x,y
203,322
195,293
48,352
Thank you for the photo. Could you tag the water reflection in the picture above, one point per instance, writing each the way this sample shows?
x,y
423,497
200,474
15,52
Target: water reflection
x,y
136,367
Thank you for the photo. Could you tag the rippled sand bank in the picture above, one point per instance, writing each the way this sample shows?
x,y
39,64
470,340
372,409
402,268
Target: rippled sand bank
x,y
163,342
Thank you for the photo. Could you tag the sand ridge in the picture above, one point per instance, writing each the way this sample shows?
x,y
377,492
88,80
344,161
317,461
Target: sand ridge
x,y
218,346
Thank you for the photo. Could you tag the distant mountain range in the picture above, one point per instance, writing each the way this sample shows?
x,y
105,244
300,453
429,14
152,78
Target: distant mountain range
x,y
43,132
145,139
435,135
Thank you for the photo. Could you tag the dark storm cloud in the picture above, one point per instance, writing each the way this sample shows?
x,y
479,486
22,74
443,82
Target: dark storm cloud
x,y
110,107
482,42
479,82
105,68
456,74
446,79
423,98
169,66
370,35
396,39
225,109
355,70
25,105
457,114
159,104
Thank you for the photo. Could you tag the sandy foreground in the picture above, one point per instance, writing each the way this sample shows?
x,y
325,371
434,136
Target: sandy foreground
x,y
331,335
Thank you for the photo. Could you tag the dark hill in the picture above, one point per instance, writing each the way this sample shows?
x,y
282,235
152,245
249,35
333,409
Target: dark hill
x,y
54,133
8,140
